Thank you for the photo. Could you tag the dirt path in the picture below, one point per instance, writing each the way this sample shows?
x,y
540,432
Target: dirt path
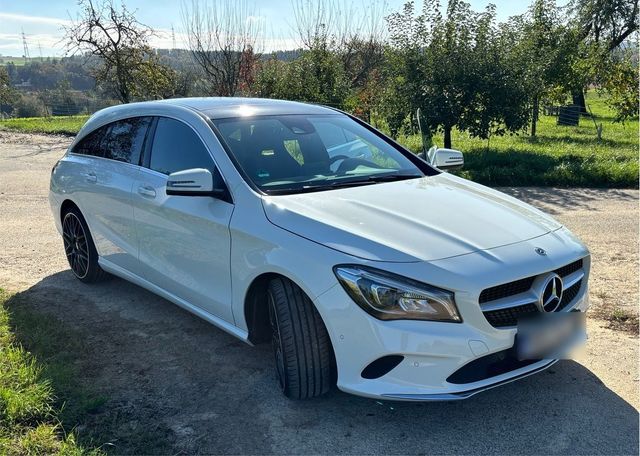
x,y
175,384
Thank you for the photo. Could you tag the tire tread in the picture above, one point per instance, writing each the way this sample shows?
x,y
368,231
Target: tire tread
x,y
305,342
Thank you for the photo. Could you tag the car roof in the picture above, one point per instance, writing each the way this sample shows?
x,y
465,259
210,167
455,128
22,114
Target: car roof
x,y
211,107
225,107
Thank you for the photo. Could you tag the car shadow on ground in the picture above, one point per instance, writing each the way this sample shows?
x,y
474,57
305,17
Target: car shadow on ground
x,y
556,199
171,383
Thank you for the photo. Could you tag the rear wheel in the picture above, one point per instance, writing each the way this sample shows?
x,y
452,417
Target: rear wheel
x,y
301,345
79,248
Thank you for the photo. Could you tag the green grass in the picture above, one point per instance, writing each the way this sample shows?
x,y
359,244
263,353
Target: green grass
x,y
558,156
17,61
30,401
67,125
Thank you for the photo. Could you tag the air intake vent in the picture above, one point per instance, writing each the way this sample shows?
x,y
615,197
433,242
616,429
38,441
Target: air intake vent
x,y
381,366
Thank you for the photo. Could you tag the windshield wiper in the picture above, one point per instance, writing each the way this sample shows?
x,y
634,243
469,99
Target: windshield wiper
x,y
343,184
317,188
393,177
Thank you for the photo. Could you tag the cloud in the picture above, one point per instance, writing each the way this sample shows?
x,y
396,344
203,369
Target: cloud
x,y
33,19
258,20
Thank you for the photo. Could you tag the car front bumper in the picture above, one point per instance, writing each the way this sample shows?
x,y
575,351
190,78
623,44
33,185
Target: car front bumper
x,y
433,351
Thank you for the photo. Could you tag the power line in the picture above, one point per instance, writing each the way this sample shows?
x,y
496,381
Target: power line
x,y
25,46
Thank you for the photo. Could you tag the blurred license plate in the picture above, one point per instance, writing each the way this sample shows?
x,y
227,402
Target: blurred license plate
x,y
550,335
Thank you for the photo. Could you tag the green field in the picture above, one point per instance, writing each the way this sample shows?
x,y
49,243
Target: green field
x,y
17,61
558,156
38,390
66,125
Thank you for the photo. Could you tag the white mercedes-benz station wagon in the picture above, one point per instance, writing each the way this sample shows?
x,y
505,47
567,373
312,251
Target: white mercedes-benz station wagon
x,y
364,265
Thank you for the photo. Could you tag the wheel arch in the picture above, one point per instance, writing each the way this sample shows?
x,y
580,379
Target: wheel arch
x,y
67,205
256,312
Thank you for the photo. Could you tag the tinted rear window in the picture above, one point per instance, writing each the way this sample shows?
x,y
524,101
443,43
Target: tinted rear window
x,y
92,144
122,140
125,139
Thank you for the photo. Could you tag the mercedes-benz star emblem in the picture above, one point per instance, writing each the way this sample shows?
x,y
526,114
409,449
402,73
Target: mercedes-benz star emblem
x,y
551,296
540,251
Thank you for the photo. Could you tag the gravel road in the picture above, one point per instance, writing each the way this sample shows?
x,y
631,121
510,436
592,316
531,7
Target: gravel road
x,y
174,384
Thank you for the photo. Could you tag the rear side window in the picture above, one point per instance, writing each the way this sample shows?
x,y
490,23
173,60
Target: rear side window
x,y
125,139
177,147
92,144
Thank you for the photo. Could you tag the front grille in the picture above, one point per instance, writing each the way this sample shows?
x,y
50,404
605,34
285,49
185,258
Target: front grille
x,y
508,289
569,269
510,315
522,285
569,295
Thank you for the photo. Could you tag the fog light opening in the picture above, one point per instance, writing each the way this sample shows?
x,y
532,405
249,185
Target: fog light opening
x,y
381,366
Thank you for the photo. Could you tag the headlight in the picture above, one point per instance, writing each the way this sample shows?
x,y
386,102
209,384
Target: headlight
x,y
390,297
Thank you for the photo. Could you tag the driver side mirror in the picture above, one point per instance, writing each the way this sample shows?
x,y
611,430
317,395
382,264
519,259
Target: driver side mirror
x,y
443,159
195,182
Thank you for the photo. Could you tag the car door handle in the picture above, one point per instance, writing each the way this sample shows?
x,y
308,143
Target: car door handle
x,y
147,191
91,177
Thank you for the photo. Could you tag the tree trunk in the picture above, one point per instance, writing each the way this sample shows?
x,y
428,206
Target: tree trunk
x,y
578,100
534,116
447,137
123,87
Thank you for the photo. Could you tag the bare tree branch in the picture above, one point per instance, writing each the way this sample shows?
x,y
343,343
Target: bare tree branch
x,y
116,37
222,38
354,31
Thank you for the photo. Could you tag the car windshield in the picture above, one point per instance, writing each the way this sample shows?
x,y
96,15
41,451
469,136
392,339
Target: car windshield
x,y
284,154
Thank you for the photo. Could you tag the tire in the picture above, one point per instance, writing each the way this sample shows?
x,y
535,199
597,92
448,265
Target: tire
x,y
79,248
302,349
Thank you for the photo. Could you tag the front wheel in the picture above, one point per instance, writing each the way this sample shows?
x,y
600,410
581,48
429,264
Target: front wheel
x,y
79,248
301,345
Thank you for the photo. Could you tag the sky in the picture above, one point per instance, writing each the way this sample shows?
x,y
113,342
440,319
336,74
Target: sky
x,y
42,21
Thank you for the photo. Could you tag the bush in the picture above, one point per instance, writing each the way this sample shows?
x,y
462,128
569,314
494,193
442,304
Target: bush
x,y
30,106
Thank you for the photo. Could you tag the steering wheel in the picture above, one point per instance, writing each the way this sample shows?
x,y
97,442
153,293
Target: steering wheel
x,y
350,164
332,160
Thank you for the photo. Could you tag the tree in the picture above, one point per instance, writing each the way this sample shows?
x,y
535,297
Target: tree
x,y
354,35
545,50
222,38
7,93
498,98
620,82
601,27
606,22
316,76
128,67
455,70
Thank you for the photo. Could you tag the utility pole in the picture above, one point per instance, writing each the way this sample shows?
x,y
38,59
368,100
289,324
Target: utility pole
x,y
40,51
24,45
173,38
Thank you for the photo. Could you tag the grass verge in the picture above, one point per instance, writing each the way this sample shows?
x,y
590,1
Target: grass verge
x,y
64,125
31,406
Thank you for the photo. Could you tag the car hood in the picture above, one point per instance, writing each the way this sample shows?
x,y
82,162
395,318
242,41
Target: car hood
x,y
421,219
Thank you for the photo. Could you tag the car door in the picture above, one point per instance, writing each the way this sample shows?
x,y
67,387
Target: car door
x,y
110,167
184,241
